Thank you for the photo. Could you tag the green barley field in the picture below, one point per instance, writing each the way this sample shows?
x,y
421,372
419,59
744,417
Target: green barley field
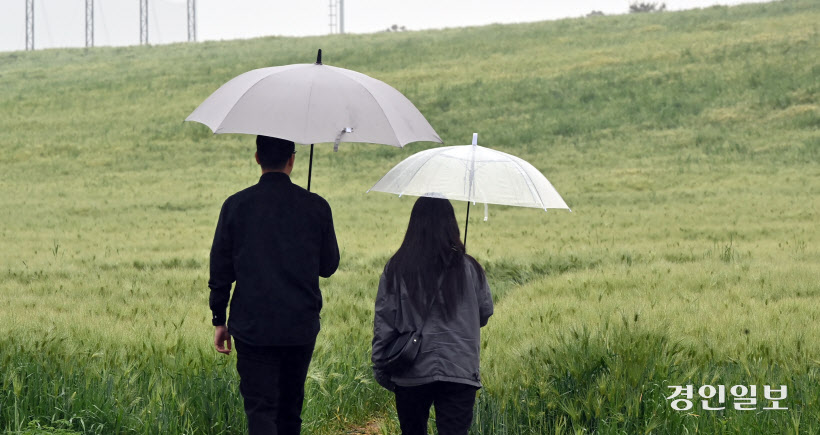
x,y
687,145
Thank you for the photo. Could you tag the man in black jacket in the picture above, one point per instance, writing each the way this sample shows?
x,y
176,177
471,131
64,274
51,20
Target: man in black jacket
x,y
275,240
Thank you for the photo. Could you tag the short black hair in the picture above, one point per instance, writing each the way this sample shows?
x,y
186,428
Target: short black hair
x,y
273,152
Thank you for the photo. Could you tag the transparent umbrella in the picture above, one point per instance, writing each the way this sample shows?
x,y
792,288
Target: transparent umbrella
x,y
314,103
471,173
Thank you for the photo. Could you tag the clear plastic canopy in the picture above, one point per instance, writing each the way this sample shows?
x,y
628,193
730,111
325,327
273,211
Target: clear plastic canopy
x,y
471,173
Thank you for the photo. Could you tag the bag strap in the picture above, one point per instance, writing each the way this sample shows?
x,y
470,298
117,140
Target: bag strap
x,y
427,313
396,283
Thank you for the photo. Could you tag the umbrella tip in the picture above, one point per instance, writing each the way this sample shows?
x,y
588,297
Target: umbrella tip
x,y
319,57
475,138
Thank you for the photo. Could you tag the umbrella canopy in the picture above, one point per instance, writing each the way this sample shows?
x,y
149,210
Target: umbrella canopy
x,y
313,103
471,173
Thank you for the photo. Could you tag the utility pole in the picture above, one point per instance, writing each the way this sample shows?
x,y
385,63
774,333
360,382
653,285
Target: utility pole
x,y
89,23
191,20
143,22
29,25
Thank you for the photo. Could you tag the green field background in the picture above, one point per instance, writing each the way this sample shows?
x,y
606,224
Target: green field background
x,y
686,144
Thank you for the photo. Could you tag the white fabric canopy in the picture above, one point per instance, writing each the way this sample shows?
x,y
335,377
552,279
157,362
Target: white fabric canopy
x,y
314,103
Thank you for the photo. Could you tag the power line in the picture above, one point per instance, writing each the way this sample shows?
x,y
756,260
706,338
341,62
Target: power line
x,y
157,25
90,26
48,26
104,27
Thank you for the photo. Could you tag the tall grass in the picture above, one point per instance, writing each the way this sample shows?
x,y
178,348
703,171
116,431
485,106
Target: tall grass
x,y
686,144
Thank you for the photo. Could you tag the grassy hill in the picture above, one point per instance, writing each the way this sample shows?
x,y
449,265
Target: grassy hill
x,y
686,143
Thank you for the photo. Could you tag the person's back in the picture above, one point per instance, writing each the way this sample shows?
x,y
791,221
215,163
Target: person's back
x,y
433,287
282,240
275,240
451,343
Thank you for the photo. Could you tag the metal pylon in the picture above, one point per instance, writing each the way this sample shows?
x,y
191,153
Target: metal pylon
x,y
333,16
143,22
29,24
341,16
191,20
89,23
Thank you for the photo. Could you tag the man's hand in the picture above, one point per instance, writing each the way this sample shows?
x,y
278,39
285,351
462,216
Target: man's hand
x,y
220,337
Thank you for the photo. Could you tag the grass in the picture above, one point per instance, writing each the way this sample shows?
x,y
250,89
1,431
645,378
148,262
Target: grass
x,y
686,144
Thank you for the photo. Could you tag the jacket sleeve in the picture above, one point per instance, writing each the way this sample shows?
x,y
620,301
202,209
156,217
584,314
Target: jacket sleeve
x,y
222,271
384,329
329,257
485,298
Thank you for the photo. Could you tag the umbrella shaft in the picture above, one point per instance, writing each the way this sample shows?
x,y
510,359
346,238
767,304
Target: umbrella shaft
x,y
310,166
466,224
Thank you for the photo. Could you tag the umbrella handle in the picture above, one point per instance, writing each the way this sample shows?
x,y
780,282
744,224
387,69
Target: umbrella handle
x,y
310,167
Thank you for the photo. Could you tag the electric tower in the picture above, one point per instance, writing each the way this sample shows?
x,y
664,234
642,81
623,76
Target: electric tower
x,y
191,20
89,23
337,16
333,17
342,16
29,24
143,22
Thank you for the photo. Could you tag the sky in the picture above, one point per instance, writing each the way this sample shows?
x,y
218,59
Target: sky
x,y
61,23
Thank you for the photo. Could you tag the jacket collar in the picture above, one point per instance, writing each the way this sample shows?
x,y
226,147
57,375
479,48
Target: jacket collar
x,y
274,177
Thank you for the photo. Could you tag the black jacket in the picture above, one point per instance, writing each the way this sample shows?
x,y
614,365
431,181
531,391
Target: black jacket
x,y
449,347
275,240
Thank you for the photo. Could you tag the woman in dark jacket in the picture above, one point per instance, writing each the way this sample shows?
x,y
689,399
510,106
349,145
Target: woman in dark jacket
x,y
432,284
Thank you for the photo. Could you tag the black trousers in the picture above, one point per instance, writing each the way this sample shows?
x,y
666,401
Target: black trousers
x,y
454,407
272,383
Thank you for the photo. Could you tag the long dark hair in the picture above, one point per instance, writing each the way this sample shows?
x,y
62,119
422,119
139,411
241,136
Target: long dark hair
x,y
431,257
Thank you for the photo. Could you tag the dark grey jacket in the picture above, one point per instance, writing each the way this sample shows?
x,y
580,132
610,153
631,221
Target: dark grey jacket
x,y
449,348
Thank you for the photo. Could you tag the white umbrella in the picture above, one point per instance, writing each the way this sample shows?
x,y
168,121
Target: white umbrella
x,y
471,173
314,103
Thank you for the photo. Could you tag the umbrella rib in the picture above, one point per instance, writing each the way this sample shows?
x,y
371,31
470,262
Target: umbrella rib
x,y
389,122
307,111
530,184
